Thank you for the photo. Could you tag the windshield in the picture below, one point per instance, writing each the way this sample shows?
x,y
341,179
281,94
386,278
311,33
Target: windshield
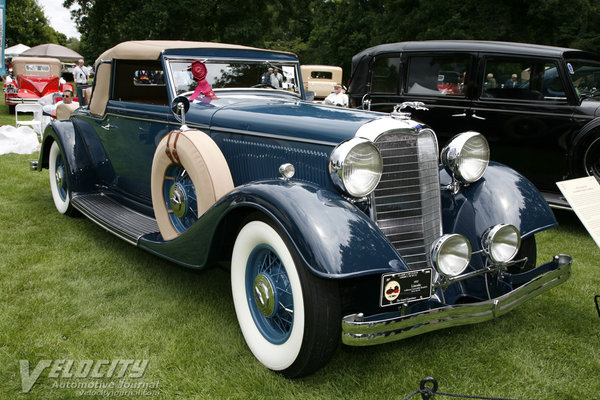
x,y
233,75
585,75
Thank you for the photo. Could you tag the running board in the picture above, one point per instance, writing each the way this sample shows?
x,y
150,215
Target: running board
x,y
557,201
119,220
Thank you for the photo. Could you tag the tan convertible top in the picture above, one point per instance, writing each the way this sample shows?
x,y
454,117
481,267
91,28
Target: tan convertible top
x,y
151,49
143,50
41,66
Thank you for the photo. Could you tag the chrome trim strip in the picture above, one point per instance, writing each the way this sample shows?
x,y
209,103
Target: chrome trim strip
x,y
272,136
557,207
512,111
128,116
583,116
215,59
357,332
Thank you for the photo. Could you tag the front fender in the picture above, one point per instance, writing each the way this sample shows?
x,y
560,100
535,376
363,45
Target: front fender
x,y
333,237
501,196
80,172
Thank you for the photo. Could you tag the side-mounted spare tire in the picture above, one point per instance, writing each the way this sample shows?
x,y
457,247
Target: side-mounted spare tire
x,y
189,174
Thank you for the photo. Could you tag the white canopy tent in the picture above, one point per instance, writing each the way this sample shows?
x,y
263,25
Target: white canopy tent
x,y
15,50
52,50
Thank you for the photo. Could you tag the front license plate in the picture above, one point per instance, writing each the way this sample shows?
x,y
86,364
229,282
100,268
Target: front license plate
x,y
405,287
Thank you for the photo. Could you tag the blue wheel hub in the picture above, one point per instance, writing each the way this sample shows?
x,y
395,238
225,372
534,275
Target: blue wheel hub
x,y
59,176
180,198
269,294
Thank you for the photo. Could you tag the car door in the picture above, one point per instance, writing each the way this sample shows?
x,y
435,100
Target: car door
x,y
384,83
526,114
443,82
137,117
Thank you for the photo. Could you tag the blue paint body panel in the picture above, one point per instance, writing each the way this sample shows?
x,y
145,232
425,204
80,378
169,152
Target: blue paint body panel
x,y
334,238
501,196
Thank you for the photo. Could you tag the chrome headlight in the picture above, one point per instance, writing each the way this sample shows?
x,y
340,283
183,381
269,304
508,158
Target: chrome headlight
x,y
450,254
501,243
466,156
355,167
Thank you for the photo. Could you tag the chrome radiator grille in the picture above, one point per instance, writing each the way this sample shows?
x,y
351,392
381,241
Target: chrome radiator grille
x,y
407,200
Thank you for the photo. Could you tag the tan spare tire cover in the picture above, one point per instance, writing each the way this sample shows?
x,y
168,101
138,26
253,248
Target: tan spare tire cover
x,y
206,166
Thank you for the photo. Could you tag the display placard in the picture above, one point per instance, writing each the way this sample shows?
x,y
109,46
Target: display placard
x,y
583,195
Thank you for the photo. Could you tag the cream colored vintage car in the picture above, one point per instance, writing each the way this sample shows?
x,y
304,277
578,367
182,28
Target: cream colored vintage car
x,y
320,79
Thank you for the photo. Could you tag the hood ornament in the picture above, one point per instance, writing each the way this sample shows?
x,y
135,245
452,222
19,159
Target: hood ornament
x,y
399,114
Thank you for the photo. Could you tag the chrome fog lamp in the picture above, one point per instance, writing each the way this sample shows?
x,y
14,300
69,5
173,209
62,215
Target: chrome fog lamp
x,y
450,254
355,167
501,243
466,157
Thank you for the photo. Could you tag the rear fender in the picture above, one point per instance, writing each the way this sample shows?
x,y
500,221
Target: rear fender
x,y
80,172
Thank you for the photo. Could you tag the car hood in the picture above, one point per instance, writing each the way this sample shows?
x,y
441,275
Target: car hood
x,y
38,85
290,118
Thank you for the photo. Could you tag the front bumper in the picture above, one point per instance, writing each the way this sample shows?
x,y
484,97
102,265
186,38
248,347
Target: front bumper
x,y
363,331
13,101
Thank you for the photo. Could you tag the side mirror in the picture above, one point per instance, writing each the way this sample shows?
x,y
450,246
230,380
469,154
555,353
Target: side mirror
x,y
180,105
310,95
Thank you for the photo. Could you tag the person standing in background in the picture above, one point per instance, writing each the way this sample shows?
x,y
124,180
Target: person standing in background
x,y
80,73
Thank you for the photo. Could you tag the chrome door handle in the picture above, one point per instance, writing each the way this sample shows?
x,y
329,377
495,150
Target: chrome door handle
x,y
460,115
477,116
107,127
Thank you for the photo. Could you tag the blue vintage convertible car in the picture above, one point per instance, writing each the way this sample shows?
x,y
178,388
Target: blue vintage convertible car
x,y
339,224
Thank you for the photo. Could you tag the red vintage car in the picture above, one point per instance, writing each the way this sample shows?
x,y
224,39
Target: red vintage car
x,y
32,78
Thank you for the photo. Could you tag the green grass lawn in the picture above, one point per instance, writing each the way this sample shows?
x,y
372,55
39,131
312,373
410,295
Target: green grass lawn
x,y
69,290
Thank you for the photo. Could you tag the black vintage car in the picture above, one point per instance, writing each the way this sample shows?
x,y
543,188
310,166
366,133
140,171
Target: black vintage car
x,y
537,105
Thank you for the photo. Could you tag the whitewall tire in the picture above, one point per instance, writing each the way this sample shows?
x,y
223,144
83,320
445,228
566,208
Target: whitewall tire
x,y
59,181
289,317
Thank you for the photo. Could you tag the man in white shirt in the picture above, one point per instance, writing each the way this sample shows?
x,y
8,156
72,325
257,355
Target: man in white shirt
x,y
48,105
337,98
80,74
276,78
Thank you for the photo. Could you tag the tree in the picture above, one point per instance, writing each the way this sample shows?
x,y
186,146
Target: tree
x,y
27,24
332,31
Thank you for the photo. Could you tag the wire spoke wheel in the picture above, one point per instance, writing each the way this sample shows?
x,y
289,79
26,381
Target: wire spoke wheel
x,y
269,294
180,198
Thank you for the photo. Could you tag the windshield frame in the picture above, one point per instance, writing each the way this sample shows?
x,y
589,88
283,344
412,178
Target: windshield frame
x,y
572,72
169,60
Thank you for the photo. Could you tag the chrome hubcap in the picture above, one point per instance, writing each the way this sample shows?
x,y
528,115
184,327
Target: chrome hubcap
x,y
264,295
178,200
59,177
